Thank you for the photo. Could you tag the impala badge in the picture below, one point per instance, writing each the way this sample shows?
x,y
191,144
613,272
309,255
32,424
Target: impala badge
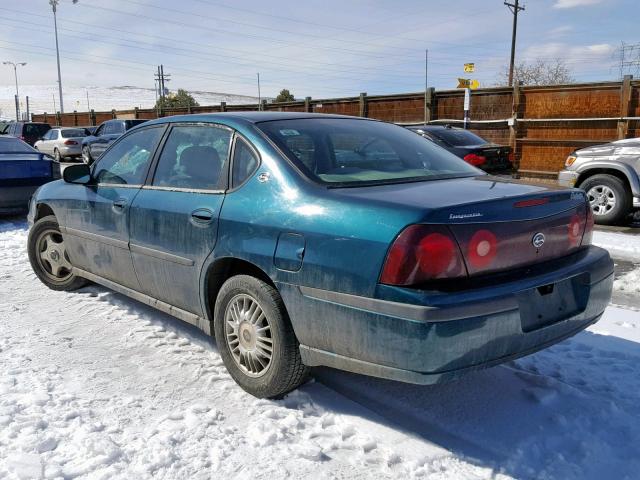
x,y
538,240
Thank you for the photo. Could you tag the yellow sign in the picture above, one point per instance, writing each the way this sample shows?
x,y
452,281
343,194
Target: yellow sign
x,y
468,83
469,67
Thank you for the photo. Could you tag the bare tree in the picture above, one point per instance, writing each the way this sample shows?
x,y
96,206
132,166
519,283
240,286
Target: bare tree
x,y
539,72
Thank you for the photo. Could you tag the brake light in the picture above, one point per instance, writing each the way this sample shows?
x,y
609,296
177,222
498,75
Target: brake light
x,y
482,249
474,159
422,253
71,142
575,231
534,202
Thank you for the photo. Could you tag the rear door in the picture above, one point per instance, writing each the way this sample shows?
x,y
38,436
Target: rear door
x,y
96,223
174,218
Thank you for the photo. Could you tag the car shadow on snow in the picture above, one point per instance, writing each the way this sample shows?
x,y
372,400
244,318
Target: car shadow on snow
x,y
570,411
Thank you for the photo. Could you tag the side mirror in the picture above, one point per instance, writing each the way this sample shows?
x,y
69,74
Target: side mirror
x,y
80,174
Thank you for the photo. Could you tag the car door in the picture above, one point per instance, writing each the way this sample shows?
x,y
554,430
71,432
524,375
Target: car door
x,y
97,217
41,145
174,218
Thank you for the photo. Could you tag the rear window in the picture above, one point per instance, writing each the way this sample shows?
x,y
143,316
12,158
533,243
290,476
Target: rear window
x,y
73,132
132,123
13,145
35,129
457,137
350,152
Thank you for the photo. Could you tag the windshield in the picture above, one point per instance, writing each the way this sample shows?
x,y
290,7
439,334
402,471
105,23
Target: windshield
x,y
349,151
73,132
35,129
457,137
14,145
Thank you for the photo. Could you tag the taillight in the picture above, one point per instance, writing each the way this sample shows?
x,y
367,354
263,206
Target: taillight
x,y
482,249
575,231
71,142
474,159
422,253
511,157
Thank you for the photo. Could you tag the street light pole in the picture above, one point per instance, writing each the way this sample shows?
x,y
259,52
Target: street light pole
x,y
15,73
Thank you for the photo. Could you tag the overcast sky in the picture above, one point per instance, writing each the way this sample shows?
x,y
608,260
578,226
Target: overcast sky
x,y
320,48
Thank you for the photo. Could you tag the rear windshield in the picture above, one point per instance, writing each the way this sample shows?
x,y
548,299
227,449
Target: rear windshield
x,y
352,152
35,129
14,145
132,123
457,137
73,132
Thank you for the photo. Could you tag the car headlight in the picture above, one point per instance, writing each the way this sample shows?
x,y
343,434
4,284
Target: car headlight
x,y
570,160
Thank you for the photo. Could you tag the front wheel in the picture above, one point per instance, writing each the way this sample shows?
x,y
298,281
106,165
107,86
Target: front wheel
x,y
609,198
86,155
255,338
49,258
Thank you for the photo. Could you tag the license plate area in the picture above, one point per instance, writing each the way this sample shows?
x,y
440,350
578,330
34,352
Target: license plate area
x,y
551,303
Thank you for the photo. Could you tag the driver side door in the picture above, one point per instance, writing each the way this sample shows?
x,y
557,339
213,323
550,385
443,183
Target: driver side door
x,y
97,218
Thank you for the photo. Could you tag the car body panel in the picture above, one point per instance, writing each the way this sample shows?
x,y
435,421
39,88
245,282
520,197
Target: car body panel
x,y
324,248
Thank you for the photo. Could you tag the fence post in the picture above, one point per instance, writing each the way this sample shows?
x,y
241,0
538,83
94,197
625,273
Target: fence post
x,y
58,119
428,111
136,114
45,117
362,112
264,105
223,106
113,113
75,118
307,104
92,115
625,107
513,127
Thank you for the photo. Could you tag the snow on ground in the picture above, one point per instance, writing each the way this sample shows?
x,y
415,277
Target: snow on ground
x,y
620,245
94,385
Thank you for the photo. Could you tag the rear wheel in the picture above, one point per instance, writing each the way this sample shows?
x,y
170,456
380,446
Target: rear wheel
x,y
609,198
56,155
255,338
49,258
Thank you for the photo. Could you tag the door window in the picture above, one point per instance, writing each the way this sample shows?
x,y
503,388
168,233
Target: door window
x,y
194,157
126,163
245,163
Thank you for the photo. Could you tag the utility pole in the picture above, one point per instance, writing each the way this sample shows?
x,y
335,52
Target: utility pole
x,y
515,8
15,73
426,82
161,78
259,97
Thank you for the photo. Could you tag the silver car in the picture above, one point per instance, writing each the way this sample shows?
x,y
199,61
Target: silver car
x,y
610,174
62,143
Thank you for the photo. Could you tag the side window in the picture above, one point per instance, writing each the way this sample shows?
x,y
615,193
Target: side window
x,y
107,129
99,130
194,156
127,161
48,135
245,163
117,127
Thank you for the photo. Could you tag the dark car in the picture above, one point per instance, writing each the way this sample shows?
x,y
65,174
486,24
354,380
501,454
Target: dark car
x,y
472,148
95,144
29,132
22,170
310,239
4,126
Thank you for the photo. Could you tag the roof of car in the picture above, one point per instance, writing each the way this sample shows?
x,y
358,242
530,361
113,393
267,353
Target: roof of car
x,y
250,117
432,127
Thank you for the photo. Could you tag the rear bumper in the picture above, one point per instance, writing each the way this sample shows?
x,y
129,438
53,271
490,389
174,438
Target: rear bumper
x,y
438,337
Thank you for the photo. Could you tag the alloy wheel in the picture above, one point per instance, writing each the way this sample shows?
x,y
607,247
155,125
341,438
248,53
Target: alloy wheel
x,y
52,256
602,199
248,335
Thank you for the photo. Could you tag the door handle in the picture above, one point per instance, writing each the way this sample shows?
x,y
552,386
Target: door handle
x,y
202,215
120,204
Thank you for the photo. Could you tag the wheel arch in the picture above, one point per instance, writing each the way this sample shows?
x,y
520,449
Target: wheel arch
x,y
43,210
220,271
630,180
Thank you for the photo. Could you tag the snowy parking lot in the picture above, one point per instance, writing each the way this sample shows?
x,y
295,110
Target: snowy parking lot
x,y
95,385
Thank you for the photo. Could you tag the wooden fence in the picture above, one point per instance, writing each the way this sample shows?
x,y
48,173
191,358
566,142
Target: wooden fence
x,y
542,124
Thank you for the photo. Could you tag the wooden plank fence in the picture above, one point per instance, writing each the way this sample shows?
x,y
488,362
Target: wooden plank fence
x,y
542,124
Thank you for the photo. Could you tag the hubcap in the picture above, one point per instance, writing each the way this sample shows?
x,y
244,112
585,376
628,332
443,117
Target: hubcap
x,y
602,199
248,335
52,256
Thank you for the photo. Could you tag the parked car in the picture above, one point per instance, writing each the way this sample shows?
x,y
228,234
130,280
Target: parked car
x,y
4,126
29,132
90,130
310,239
610,174
62,143
22,170
472,148
95,144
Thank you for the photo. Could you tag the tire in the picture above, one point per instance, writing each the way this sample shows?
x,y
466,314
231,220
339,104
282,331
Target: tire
x,y
48,257
244,349
56,155
86,155
609,197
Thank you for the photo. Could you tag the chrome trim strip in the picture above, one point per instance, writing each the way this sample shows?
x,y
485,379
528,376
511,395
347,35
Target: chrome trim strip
x,y
152,252
200,322
95,237
418,313
117,185
180,189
